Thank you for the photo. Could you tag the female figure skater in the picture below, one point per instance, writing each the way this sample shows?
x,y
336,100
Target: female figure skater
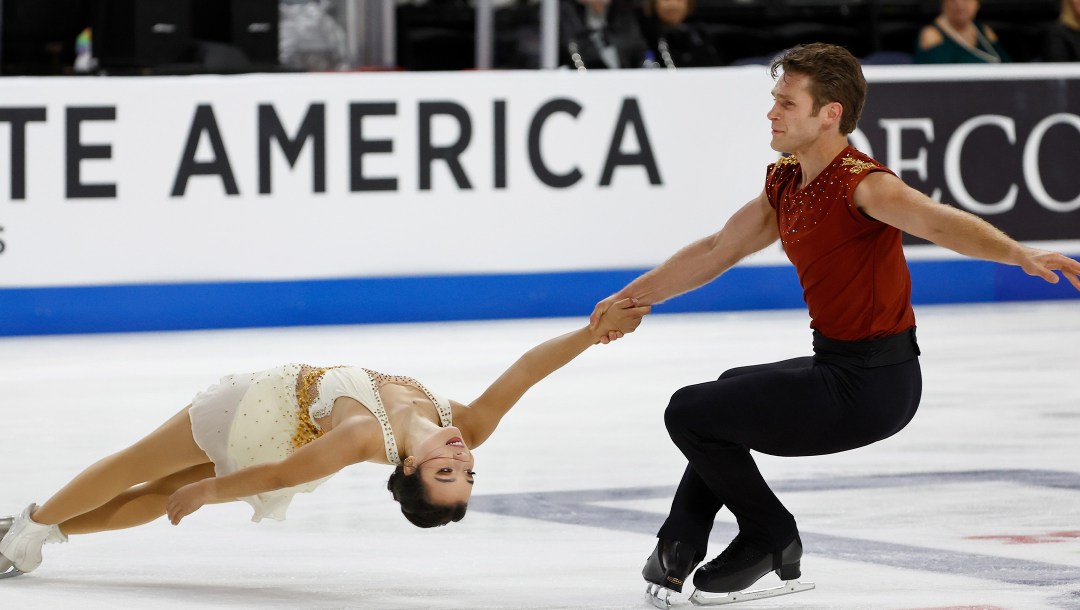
x,y
263,437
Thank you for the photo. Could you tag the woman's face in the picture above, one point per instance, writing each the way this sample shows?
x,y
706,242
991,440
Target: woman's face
x,y
672,12
959,13
445,466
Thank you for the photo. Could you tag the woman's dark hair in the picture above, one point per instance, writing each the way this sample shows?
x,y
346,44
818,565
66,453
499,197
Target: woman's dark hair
x,y
409,492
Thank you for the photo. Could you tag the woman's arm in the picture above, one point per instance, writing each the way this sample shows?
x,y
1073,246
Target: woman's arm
x,y
351,441
484,414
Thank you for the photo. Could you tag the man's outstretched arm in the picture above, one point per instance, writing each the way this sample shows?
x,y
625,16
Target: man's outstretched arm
x,y
888,199
749,230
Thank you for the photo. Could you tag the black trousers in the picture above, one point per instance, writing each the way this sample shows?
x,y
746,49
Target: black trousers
x,y
849,394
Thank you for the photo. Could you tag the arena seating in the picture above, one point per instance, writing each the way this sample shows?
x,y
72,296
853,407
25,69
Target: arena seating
x,y
744,31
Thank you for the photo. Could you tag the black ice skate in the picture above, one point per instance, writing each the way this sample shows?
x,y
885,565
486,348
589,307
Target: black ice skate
x,y
723,580
7,568
666,569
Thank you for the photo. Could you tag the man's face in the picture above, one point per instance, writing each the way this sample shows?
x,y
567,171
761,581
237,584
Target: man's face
x,y
792,119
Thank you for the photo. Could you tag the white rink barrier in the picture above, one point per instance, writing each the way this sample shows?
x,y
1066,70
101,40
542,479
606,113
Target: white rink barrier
x,y
206,201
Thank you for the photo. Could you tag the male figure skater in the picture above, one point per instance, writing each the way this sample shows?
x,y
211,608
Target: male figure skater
x,y
839,215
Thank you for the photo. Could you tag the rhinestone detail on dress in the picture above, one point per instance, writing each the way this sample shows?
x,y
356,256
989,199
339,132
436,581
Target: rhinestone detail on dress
x,y
378,379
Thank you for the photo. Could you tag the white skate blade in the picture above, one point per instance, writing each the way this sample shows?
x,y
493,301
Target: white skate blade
x,y
704,598
658,596
8,569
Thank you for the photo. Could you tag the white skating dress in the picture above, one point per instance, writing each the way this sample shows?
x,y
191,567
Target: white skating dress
x,y
261,417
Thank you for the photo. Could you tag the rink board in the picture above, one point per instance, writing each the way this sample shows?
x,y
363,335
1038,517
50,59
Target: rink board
x,y
150,307
267,200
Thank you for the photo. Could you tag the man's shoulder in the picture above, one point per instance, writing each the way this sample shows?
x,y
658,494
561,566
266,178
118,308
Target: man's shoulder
x,y
855,165
786,163
781,171
856,162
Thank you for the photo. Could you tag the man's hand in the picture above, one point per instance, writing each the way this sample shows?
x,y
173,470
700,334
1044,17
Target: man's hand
x,y
616,319
1043,263
598,312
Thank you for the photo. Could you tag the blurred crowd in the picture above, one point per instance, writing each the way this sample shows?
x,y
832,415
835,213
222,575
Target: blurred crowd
x,y
327,35
605,34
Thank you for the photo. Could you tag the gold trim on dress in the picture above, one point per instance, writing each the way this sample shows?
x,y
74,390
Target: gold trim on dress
x,y
856,166
307,392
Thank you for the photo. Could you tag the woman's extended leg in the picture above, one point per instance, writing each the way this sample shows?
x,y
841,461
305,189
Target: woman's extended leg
x,y
136,506
169,450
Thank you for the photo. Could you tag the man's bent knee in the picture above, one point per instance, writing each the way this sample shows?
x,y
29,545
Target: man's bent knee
x,y
679,414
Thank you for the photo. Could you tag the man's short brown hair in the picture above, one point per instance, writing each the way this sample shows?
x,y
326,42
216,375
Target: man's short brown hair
x,y
835,76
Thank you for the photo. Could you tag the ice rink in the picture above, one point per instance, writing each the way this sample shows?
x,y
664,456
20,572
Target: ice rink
x,y
976,505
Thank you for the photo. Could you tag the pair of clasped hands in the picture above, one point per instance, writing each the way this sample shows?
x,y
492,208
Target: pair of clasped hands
x,y
623,314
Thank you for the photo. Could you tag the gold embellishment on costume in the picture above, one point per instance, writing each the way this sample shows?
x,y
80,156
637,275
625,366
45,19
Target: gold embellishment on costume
x,y
856,166
307,392
787,160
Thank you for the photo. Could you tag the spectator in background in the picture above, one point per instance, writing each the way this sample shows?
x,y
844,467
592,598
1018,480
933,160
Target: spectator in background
x,y
1062,42
955,37
310,39
672,41
600,34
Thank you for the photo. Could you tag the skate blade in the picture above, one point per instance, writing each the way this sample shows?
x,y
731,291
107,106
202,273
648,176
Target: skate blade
x,y
12,573
704,598
658,596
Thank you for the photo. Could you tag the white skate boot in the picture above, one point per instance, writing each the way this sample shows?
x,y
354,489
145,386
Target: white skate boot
x,y
21,545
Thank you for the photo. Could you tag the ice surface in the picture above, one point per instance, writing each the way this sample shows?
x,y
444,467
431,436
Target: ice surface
x,y
975,505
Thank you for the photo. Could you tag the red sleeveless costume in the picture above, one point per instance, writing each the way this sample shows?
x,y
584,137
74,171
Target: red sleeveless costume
x,y
852,270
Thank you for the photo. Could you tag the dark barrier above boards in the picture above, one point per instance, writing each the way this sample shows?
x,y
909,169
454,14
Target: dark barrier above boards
x,y
1006,151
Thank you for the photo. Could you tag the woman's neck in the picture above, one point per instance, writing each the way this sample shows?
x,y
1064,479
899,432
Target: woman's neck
x,y
964,31
973,40
411,428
